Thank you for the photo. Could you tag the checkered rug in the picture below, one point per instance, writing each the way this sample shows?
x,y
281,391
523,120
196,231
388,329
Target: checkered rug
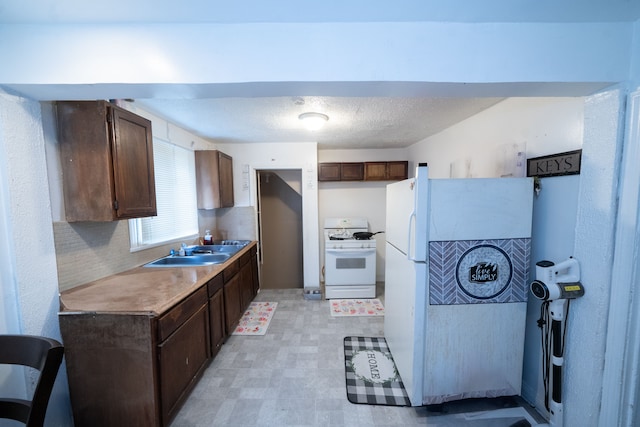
x,y
371,374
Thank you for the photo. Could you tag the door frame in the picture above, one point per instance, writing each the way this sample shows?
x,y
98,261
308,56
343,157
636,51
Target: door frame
x,y
621,376
310,230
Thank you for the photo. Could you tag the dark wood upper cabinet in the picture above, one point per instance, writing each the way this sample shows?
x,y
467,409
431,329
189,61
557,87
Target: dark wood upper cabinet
x,y
375,171
341,171
397,170
363,171
214,179
352,171
329,172
107,162
386,171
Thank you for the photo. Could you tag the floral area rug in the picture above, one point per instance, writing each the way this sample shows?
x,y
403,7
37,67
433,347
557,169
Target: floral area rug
x,y
256,318
356,307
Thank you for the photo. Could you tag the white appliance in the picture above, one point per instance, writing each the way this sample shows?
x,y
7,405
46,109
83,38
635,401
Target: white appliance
x,y
350,263
457,265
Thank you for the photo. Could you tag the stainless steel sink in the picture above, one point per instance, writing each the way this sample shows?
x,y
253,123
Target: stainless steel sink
x,y
190,261
241,243
214,249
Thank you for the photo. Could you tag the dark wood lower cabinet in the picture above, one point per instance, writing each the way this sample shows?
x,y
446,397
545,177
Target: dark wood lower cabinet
x,y
255,276
240,289
136,369
217,322
111,368
232,309
181,358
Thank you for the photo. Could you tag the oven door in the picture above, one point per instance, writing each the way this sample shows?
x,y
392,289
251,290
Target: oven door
x,y
350,266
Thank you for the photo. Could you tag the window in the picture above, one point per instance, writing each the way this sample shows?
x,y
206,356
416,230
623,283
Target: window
x,y
177,217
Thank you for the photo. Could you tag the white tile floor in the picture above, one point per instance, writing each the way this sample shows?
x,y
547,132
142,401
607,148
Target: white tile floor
x,y
294,376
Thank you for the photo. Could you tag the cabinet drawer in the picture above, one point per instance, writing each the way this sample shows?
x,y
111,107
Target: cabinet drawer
x,y
230,271
215,284
244,258
168,323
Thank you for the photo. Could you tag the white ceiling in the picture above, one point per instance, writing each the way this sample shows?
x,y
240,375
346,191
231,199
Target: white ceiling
x,y
364,121
371,122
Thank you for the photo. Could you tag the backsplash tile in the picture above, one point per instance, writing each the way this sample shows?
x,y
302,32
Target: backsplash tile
x,y
87,251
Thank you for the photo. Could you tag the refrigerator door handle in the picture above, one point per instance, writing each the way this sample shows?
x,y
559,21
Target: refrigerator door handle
x,y
412,218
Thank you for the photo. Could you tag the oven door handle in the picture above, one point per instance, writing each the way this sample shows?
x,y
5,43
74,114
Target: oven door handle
x,y
351,251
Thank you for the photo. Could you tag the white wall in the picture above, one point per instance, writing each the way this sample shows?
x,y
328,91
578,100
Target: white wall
x,y
29,271
553,231
538,126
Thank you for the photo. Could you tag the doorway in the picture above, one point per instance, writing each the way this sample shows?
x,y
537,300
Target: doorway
x,y
280,228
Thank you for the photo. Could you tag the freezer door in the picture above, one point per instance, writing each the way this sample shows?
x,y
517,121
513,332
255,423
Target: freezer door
x,y
480,208
408,216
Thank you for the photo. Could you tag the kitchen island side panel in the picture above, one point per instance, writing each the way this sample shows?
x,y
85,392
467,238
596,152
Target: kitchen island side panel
x,y
112,381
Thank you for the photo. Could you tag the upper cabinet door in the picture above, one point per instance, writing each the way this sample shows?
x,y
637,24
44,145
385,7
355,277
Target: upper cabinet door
x,y
226,180
133,171
329,172
107,162
214,179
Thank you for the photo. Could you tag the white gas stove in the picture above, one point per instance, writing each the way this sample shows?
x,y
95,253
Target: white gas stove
x,y
350,263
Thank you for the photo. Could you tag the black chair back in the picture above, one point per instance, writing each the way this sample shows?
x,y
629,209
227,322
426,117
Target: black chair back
x,y
43,354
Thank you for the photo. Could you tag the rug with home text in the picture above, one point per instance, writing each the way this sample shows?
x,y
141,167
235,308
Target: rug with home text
x,y
371,374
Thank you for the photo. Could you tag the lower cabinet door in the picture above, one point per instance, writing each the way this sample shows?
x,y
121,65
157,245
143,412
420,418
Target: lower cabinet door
x,y
181,357
232,303
217,324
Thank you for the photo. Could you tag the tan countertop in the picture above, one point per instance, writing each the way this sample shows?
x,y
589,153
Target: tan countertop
x,y
142,289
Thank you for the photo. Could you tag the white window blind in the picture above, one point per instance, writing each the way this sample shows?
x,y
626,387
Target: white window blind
x,y
175,199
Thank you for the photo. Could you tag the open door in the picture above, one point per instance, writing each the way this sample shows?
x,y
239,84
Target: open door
x,y
280,228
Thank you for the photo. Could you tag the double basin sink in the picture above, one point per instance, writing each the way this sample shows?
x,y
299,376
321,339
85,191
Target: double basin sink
x,y
202,255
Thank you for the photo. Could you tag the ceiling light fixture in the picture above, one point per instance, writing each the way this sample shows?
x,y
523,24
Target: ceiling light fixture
x,y
313,121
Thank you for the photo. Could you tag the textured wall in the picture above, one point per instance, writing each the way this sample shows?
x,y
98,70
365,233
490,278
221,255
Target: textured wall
x,y
30,232
594,247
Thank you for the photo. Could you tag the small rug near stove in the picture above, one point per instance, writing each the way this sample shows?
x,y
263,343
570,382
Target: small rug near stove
x,y
256,318
356,307
371,374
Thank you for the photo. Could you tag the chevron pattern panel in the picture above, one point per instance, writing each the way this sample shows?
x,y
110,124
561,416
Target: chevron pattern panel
x,y
479,271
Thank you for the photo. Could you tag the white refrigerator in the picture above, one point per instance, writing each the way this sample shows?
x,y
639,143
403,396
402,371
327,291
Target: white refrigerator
x,y
456,285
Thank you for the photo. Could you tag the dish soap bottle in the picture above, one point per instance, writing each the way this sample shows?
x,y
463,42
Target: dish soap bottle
x,y
208,240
